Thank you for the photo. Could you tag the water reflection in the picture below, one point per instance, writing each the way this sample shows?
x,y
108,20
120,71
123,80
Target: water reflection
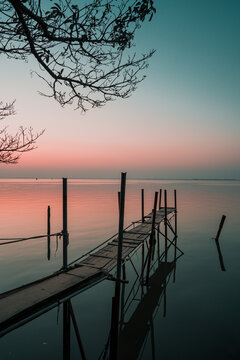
x,y
139,325
68,318
134,332
139,306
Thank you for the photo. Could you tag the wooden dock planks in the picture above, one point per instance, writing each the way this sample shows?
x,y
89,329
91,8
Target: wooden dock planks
x,y
23,301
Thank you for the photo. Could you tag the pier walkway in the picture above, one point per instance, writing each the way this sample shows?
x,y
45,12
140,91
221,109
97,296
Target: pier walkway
x,y
29,299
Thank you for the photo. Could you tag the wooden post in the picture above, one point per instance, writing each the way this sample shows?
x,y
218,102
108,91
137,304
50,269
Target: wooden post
x,y
48,233
220,227
165,222
120,226
116,298
65,231
142,257
123,295
175,211
176,235
160,199
142,197
217,243
119,201
152,237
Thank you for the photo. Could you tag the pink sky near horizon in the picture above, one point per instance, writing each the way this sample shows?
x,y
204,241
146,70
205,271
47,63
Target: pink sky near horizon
x,y
181,122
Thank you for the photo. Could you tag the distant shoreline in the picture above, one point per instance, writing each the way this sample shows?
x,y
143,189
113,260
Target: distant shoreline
x,y
139,179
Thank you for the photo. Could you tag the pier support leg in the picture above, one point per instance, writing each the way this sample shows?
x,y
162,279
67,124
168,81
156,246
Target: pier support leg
x,y
142,200
122,295
160,199
175,211
48,233
165,222
116,298
65,230
152,235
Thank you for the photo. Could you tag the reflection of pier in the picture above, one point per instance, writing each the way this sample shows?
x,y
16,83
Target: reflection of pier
x,y
133,333
22,304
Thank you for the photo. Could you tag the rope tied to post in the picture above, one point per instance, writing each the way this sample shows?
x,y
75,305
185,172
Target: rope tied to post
x,y
15,240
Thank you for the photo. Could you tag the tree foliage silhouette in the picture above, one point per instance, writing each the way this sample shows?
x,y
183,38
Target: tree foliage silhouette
x,y
85,51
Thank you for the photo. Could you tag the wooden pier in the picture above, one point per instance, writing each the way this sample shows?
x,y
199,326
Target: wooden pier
x,y
24,303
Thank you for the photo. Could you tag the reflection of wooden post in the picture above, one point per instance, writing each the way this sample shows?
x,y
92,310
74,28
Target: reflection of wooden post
x,y
66,331
160,199
113,331
142,198
48,233
220,256
152,339
74,322
158,242
165,222
165,298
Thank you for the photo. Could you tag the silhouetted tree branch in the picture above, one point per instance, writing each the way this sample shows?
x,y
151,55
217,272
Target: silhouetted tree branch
x,y
12,146
84,50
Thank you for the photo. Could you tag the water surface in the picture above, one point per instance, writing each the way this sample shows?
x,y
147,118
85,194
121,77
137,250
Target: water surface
x,y
197,316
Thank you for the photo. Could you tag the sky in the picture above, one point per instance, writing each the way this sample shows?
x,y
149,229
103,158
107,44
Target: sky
x,y
182,122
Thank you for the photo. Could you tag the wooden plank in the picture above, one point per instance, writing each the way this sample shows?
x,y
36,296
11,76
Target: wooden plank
x,y
29,298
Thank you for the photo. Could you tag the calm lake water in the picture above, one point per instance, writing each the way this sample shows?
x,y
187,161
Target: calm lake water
x,y
194,317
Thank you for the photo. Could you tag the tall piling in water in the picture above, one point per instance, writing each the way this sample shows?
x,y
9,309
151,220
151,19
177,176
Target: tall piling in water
x,y
65,229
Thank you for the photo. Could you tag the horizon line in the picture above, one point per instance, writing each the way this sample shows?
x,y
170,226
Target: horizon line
x,y
114,178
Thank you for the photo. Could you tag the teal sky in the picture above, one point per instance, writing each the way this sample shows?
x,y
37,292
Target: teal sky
x,y
182,122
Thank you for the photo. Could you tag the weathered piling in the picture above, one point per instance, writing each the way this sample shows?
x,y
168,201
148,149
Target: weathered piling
x,y
48,233
176,235
121,226
165,222
116,298
160,199
175,211
119,200
65,229
142,200
220,227
152,237
218,245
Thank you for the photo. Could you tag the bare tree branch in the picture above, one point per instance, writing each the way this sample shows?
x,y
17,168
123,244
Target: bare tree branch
x,y
13,146
85,52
